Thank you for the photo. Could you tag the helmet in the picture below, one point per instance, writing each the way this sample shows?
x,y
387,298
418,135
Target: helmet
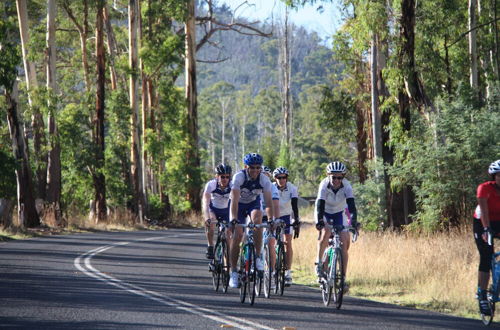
x,y
494,167
336,167
266,169
223,169
253,159
280,170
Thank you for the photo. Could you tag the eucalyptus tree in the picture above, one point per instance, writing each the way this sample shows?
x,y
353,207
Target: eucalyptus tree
x,y
27,213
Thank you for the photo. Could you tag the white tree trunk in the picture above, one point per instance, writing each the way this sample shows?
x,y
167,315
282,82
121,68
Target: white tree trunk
x,y
473,43
134,107
376,124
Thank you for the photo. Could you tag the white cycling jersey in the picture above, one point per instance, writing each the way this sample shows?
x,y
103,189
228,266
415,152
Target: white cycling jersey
x,y
218,197
335,201
274,195
250,189
285,196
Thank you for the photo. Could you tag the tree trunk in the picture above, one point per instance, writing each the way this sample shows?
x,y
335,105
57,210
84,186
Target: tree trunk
x,y
285,80
54,157
98,175
193,157
111,42
135,161
37,123
376,125
473,44
27,214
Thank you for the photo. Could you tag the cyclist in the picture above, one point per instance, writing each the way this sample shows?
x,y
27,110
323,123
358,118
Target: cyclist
x,y
288,197
335,205
216,203
247,185
486,221
276,208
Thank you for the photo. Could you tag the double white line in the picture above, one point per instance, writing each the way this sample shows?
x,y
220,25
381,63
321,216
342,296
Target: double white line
x,y
83,264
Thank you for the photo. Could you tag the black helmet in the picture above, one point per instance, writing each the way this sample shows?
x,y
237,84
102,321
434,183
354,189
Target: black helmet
x,y
223,169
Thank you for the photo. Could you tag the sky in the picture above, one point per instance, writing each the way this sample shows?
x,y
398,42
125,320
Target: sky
x,y
324,23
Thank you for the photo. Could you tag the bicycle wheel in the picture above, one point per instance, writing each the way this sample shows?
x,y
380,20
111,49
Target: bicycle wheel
x,y
280,269
217,265
325,284
267,278
251,274
243,273
225,267
487,319
338,277
259,279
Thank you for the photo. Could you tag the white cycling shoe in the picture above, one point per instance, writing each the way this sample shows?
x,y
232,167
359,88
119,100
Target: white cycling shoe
x,y
234,280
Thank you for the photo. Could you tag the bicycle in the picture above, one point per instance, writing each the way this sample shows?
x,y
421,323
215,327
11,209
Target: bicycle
x,y
493,291
247,263
219,266
333,279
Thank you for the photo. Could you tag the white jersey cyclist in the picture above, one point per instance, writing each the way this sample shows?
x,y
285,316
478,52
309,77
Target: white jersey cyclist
x,y
219,197
335,201
285,197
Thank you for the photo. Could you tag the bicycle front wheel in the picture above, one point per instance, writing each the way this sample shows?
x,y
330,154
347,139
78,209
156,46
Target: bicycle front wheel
x,y
325,281
280,269
487,319
267,278
338,273
243,273
251,274
225,267
217,265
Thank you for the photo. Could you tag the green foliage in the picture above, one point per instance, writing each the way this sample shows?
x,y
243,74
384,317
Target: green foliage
x,y
446,159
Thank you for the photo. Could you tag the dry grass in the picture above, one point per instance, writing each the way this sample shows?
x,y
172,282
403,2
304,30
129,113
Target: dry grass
x,y
435,271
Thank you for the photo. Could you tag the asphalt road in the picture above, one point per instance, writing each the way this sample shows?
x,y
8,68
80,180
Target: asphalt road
x,y
160,279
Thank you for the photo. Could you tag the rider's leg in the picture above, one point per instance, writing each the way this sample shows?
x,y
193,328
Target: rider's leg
x,y
289,251
256,216
235,247
345,239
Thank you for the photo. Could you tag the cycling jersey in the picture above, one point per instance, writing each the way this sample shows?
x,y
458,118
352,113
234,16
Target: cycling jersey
x,y
275,196
219,197
335,201
285,196
487,190
250,190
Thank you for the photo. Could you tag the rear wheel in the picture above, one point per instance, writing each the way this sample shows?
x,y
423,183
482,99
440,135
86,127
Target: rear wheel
x,y
338,273
267,278
325,282
280,269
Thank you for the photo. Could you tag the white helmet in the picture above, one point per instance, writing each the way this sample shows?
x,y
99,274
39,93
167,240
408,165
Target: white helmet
x,y
280,170
336,167
494,167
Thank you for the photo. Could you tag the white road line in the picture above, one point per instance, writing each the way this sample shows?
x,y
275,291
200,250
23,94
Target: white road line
x,y
87,268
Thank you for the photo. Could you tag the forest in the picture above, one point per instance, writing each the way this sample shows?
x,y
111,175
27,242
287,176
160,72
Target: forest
x,y
119,105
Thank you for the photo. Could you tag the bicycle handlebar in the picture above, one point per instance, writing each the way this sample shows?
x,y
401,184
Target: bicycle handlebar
x,y
339,228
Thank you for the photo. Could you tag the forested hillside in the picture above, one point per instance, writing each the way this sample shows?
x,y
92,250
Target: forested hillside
x,y
128,105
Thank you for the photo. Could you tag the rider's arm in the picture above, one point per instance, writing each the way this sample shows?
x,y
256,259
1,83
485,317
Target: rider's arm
x,y
235,198
295,208
351,206
269,203
276,206
320,209
485,216
206,205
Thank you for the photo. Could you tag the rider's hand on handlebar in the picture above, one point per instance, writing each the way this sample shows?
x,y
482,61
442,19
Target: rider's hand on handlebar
x,y
320,224
296,228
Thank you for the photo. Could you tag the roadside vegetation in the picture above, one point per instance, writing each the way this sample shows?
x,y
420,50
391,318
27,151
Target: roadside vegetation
x,y
433,271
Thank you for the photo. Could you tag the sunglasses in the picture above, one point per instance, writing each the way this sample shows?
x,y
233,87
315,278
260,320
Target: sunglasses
x,y
336,177
281,177
254,167
224,176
